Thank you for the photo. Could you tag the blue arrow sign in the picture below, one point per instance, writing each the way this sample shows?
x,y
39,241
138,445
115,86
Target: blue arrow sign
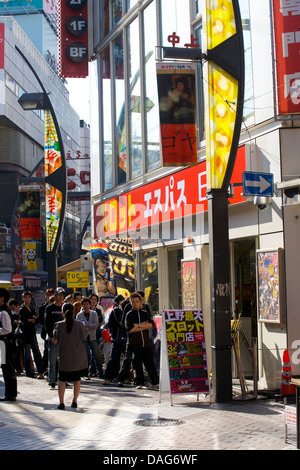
x,y
257,184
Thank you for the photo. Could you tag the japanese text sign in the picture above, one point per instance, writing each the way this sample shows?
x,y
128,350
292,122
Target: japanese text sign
x,y
169,198
177,110
286,14
186,351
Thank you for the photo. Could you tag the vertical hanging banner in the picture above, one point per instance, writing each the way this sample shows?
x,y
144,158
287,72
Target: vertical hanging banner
x,y
177,111
73,38
224,78
186,351
286,17
114,267
29,206
30,256
53,196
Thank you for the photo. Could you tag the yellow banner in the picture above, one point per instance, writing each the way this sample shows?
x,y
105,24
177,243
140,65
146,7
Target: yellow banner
x,y
30,253
78,279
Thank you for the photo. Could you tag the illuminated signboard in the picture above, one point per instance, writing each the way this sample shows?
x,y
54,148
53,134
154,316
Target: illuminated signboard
x,y
170,198
224,89
54,197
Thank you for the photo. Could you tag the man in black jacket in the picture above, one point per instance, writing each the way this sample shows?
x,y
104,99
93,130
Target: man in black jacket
x,y
118,341
28,319
138,323
53,314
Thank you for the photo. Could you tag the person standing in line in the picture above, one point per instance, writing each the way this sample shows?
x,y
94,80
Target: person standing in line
x,y
28,320
90,320
18,350
118,340
138,323
100,312
69,335
48,300
7,348
53,314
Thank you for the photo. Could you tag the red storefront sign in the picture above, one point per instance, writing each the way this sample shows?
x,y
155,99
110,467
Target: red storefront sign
x,y
286,14
178,195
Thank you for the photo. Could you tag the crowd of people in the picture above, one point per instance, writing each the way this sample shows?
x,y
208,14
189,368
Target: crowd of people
x,y
73,330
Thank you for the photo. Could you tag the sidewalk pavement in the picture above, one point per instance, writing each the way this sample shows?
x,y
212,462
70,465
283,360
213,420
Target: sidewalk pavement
x,y
110,419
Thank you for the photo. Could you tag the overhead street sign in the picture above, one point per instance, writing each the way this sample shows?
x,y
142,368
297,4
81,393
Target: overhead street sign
x,y
258,184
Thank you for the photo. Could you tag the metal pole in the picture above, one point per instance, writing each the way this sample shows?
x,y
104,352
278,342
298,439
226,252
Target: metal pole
x,y
58,179
220,295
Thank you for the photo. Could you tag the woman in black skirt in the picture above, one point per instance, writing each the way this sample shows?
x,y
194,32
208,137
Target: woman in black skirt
x,y
69,334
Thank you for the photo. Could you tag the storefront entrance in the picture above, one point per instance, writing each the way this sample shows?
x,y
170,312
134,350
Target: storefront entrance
x,y
245,305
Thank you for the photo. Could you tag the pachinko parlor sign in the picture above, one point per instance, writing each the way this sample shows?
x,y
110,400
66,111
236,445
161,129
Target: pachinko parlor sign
x,y
179,195
186,351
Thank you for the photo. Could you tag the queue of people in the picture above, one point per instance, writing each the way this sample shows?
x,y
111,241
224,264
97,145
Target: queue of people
x,y
72,328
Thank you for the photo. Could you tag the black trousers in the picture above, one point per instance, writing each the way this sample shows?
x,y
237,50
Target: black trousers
x,y
113,365
124,373
8,370
144,356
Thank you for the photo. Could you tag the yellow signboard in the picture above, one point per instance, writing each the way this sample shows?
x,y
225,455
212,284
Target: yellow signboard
x,y
78,279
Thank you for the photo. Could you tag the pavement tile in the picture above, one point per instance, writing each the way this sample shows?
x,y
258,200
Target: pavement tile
x,y
107,418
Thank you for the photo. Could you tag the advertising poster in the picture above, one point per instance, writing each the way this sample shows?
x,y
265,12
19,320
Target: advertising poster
x,y
177,111
186,351
53,196
114,267
30,256
190,279
269,285
29,205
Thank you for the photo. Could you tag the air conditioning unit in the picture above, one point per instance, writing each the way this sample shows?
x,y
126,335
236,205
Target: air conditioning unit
x,y
2,248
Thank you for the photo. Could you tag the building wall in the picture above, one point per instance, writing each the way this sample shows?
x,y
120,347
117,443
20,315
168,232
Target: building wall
x,y
266,145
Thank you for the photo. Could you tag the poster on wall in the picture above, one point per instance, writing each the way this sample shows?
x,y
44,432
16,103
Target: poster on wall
x,y
190,280
29,205
186,351
269,285
286,16
30,256
114,267
177,112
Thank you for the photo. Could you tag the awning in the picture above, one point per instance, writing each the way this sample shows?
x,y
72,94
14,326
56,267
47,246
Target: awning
x,y
73,266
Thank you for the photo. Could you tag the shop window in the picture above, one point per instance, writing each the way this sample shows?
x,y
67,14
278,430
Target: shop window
x,y
134,96
149,279
176,18
107,125
175,288
245,281
151,97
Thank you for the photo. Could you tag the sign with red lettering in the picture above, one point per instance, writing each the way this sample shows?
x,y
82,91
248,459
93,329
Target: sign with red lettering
x,y
179,195
73,38
177,111
286,14
186,351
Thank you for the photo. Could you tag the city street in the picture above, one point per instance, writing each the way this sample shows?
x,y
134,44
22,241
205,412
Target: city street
x,y
116,419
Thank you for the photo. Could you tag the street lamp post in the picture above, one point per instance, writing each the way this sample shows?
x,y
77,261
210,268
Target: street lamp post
x,y
56,180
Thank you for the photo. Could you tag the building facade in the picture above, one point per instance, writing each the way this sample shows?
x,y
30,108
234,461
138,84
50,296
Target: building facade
x,y
22,154
164,209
